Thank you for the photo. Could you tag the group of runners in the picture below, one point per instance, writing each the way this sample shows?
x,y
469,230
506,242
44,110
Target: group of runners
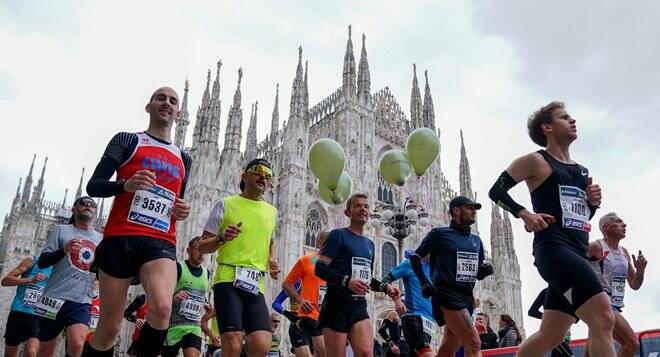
x,y
59,291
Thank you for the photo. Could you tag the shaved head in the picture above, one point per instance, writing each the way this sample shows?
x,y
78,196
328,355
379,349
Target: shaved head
x,y
161,90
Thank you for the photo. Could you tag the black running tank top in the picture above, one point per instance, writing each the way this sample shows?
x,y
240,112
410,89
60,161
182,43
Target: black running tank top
x,y
563,196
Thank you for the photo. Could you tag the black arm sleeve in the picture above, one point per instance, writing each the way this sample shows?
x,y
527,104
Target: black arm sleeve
x,y
498,193
323,271
375,285
535,309
416,263
382,331
388,278
187,163
48,259
178,271
133,307
119,149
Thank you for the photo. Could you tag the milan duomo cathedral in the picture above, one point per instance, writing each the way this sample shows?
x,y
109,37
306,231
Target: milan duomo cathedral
x,y
366,123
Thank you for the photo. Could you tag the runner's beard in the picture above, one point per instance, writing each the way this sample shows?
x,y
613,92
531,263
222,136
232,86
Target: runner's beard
x,y
85,216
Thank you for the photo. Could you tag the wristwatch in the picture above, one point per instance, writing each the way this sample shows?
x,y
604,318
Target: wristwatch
x,y
219,238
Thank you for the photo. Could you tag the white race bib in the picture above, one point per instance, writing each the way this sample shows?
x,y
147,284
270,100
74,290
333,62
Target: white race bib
x,y
574,207
430,327
247,279
32,295
618,288
466,266
361,269
273,354
322,290
192,308
48,307
152,208
93,321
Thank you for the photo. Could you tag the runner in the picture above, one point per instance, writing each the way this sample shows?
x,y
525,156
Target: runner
x,y
310,298
240,228
22,323
300,341
66,299
417,320
140,235
94,311
564,199
185,332
214,342
390,331
457,262
276,339
136,312
346,264
613,269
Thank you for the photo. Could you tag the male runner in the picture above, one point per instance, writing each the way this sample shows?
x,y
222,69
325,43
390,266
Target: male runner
x,y
276,339
417,320
300,341
22,323
213,333
564,199
136,312
390,331
457,262
240,228
140,235
613,269
311,295
66,299
346,264
185,332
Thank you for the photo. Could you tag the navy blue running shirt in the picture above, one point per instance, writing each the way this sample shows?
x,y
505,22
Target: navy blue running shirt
x,y
351,255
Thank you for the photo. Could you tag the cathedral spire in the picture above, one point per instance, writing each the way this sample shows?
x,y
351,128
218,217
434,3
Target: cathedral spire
x,y
464,172
215,94
39,188
66,193
27,188
305,91
207,95
16,203
428,114
79,190
182,122
348,75
251,141
233,132
364,77
297,90
275,120
415,102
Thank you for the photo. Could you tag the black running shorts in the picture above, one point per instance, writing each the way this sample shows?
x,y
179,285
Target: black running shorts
x,y
239,310
340,314
413,331
450,300
122,257
310,326
187,341
297,337
21,327
571,281
70,313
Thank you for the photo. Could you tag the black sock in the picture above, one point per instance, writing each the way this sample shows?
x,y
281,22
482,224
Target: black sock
x,y
150,341
89,351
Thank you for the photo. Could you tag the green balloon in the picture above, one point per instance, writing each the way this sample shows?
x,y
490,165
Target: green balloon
x,y
423,147
326,159
394,166
340,194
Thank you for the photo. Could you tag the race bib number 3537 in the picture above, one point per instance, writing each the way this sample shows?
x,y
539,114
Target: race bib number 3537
x,y
152,208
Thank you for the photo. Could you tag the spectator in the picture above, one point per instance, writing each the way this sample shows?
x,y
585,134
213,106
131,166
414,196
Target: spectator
x,y
509,333
486,334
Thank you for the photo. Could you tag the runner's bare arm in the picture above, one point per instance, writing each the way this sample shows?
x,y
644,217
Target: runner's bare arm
x,y
13,278
273,266
636,267
208,244
295,274
209,312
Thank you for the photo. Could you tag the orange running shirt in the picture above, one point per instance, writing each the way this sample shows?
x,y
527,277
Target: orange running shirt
x,y
311,284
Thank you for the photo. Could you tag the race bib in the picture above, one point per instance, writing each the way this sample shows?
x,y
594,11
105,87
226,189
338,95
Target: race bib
x,y
247,279
192,308
361,269
152,208
430,327
574,207
273,354
618,288
322,291
93,321
32,295
466,266
48,307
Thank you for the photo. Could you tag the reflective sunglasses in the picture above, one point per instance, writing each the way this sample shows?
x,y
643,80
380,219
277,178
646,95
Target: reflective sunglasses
x,y
261,170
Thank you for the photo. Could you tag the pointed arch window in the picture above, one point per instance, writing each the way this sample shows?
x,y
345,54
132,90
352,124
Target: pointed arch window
x,y
388,258
313,227
384,190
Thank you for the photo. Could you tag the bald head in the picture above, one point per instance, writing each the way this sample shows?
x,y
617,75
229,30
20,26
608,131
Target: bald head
x,y
165,90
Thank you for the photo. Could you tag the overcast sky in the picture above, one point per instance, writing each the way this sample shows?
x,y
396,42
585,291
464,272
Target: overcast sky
x,y
73,74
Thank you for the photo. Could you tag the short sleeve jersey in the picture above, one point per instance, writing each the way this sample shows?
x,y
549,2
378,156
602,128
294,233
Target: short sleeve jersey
x,y
455,258
415,302
351,255
312,288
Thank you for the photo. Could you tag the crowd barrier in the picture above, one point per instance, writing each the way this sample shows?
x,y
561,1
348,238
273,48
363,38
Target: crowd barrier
x,y
649,346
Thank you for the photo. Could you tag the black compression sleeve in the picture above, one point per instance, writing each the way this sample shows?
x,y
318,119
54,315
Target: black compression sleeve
x,y
323,271
416,263
593,209
535,309
187,163
375,285
382,331
498,193
134,306
119,149
48,259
